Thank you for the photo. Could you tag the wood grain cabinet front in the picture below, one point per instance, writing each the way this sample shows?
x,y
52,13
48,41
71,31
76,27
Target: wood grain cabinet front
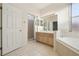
x,y
47,38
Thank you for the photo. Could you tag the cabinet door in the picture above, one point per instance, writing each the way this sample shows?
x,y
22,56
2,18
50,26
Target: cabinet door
x,y
50,41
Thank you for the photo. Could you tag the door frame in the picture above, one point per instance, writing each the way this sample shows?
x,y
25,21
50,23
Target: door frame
x,y
1,28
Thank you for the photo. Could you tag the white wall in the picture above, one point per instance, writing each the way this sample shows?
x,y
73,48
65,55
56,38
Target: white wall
x,y
63,15
49,12
64,20
63,12
65,23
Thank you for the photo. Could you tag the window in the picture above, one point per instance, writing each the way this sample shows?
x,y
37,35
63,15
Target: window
x,y
75,17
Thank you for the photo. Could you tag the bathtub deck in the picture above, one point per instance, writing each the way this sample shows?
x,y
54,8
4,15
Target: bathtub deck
x,y
68,46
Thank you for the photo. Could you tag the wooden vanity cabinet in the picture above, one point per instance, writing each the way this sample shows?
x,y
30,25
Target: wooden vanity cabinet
x,y
47,38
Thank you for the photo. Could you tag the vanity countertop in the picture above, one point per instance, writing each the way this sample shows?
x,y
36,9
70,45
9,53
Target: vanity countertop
x,y
46,31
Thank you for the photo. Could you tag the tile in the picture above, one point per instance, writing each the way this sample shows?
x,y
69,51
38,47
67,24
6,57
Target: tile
x,y
34,48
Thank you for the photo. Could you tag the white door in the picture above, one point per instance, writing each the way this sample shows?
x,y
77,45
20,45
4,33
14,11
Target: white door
x,y
13,29
24,29
7,30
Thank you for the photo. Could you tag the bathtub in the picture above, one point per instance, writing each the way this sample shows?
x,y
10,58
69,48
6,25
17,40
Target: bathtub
x,y
67,46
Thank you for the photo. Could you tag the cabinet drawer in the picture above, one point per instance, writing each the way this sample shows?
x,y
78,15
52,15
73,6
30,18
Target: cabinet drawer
x,y
50,35
46,38
50,41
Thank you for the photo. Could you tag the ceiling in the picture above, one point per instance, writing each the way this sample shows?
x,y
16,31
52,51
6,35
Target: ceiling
x,y
54,7
36,6
40,7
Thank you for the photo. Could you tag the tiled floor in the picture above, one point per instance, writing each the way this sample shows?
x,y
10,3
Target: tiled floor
x,y
34,48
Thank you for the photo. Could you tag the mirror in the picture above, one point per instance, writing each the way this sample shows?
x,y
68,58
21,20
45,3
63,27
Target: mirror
x,y
45,26
37,22
46,23
41,22
55,26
